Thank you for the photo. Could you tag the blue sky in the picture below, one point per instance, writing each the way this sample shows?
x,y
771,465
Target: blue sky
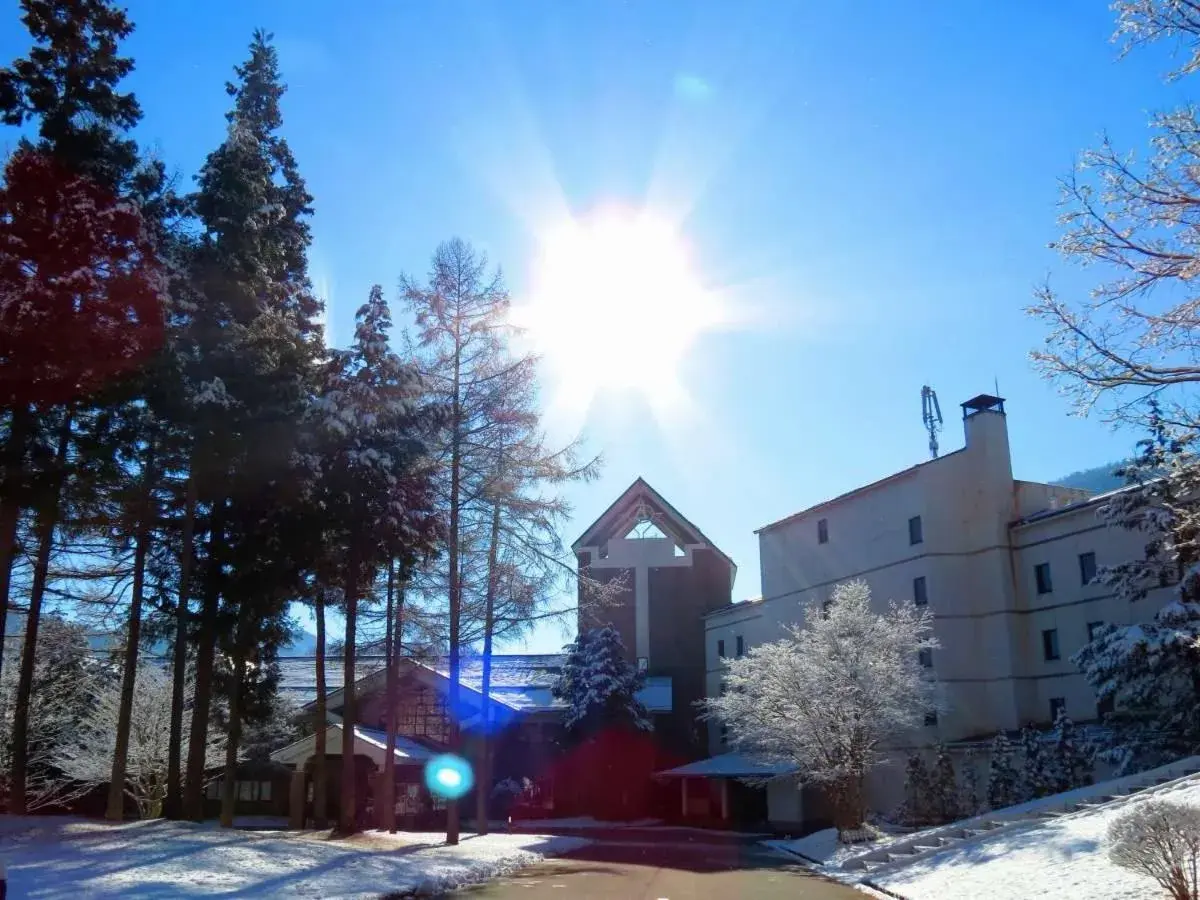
x,y
872,186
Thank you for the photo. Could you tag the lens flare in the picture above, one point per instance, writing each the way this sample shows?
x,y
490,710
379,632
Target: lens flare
x,y
449,776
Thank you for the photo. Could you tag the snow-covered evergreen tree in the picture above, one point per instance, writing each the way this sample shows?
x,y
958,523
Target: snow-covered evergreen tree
x,y
1036,777
1004,782
1068,762
915,810
600,685
833,693
943,787
968,788
1147,672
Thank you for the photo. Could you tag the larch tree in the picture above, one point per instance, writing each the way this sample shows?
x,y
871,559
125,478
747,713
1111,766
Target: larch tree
x,y
833,694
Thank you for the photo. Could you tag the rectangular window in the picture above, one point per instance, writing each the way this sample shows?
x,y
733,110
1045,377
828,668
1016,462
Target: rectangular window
x,y
1041,572
721,649
925,656
1093,629
931,717
1050,644
264,790
914,530
920,597
741,646
724,734
1105,707
1057,705
822,531
1087,568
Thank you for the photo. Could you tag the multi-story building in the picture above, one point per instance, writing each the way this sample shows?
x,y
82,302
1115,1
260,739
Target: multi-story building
x,y
1007,567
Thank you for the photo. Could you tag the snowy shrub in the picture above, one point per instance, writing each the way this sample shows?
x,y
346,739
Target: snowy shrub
x,y
1161,840
1035,778
832,694
943,788
1004,787
914,811
1068,761
968,789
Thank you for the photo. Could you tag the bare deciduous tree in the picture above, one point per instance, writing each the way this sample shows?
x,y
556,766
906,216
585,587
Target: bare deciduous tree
x,y
1162,840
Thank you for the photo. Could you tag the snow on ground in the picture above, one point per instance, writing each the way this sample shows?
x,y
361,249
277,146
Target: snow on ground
x,y
578,822
1064,857
824,847
52,858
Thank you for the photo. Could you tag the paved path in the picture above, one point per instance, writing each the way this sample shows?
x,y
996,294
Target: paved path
x,y
637,870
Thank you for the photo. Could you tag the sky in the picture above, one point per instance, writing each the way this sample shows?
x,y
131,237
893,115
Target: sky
x,y
868,189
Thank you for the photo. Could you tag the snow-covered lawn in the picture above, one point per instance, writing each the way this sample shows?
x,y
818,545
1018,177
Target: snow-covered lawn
x,y
825,848
1064,857
71,858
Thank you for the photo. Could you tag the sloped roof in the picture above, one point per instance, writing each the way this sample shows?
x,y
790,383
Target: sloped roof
x,y
523,682
729,765
642,489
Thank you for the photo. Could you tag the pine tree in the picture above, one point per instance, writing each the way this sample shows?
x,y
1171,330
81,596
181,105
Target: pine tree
x,y
916,809
371,484
600,685
73,228
944,792
1004,784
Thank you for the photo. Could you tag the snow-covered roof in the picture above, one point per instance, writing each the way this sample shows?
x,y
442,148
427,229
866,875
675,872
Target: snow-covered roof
x,y
522,682
368,741
730,765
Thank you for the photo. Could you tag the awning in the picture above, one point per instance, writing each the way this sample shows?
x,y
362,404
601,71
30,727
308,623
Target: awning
x,y
730,765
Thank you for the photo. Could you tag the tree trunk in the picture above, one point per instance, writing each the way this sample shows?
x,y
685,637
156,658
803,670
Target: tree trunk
x,y
320,772
133,639
173,806
348,821
10,508
483,780
193,793
233,735
386,802
848,801
455,593
46,524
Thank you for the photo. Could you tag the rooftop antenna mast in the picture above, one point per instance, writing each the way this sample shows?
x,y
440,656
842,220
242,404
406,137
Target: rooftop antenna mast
x,y
931,413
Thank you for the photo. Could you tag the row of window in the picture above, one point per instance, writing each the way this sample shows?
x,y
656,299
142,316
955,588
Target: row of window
x,y
916,534
740,647
1087,573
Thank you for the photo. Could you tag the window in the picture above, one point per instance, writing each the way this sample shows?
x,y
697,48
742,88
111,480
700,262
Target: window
x,y
822,531
925,656
741,647
1105,707
724,735
721,649
914,530
1057,705
1087,568
1093,629
920,598
1041,572
1050,644
931,717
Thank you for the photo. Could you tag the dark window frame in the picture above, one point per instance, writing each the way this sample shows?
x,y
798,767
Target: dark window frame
x,y
822,531
739,647
1091,629
1087,561
1051,652
1043,579
1057,704
925,657
931,718
916,533
920,591
721,648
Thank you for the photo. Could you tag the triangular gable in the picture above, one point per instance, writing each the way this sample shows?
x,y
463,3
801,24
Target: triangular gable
x,y
624,512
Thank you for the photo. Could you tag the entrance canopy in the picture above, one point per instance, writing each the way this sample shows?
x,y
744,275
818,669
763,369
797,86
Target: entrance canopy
x,y
730,765
368,742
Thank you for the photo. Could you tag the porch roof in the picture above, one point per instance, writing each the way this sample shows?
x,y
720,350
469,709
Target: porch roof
x,y
368,742
730,765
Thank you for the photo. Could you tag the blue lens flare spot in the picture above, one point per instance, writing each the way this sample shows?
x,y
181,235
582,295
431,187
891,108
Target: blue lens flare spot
x,y
449,776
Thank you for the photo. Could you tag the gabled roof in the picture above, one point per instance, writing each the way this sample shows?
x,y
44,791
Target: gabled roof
x,y
622,509
730,765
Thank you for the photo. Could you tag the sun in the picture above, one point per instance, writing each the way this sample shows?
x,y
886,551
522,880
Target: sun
x,y
615,305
